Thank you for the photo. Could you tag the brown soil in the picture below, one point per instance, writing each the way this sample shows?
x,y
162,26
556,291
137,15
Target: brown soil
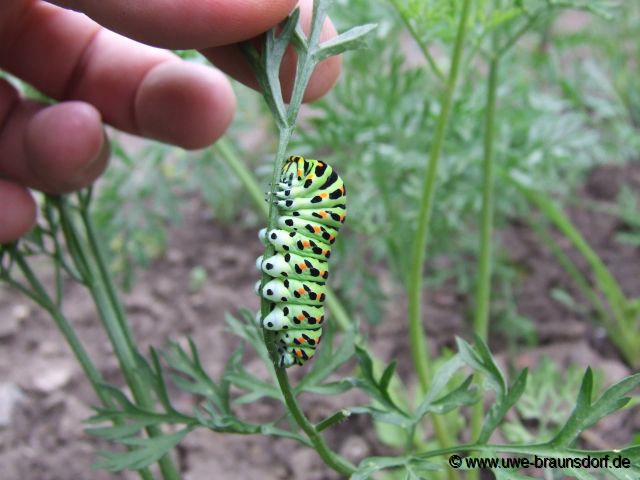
x,y
44,437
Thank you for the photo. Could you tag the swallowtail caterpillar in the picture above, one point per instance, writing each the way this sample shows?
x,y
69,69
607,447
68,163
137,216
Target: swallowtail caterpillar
x,y
311,202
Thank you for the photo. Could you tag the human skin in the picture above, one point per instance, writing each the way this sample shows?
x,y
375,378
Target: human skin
x,y
125,79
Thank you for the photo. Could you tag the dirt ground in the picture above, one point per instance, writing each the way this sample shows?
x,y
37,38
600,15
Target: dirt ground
x,y
44,398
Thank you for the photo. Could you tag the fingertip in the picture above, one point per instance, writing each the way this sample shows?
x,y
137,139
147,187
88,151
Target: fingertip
x,y
66,146
185,104
20,216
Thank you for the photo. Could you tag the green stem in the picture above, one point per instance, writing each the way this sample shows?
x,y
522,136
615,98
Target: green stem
x,y
107,281
338,312
418,343
624,338
224,148
603,277
100,285
483,288
417,337
338,463
572,270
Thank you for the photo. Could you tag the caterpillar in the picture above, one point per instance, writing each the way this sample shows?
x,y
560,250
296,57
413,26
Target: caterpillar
x,y
311,201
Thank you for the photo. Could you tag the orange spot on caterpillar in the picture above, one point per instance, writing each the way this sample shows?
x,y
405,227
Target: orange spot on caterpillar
x,y
302,266
323,214
300,317
324,194
316,229
305,243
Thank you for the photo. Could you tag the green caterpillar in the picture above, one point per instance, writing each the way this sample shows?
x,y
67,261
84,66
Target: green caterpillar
x,y
311,202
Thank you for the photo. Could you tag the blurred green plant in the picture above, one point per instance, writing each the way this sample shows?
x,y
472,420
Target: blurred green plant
x,y
628,210
546,401
377,131
134,203
385,128
618,314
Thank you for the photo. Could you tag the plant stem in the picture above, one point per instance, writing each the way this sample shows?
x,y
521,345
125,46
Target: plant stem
x,y
572,270
483,290
622,330
417,337
100,285
338,312
419,349
224,149
335,461
483,287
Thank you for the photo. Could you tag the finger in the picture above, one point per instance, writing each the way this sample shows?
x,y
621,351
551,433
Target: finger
x,y
65,147
230,59
18,212
185,24
185,104
55,149
136,88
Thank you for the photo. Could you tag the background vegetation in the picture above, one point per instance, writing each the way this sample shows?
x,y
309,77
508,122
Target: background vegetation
x,y
460,119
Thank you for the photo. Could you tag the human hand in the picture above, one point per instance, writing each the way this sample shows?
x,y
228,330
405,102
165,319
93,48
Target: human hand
x,y
100,76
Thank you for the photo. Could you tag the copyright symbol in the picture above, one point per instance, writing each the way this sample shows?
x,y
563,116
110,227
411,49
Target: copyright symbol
x,y
455,461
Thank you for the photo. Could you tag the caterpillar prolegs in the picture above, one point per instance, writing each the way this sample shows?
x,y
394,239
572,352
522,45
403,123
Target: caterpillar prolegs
x,y
311,202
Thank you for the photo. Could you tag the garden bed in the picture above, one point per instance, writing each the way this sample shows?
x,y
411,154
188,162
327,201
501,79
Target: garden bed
x,y
46,397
